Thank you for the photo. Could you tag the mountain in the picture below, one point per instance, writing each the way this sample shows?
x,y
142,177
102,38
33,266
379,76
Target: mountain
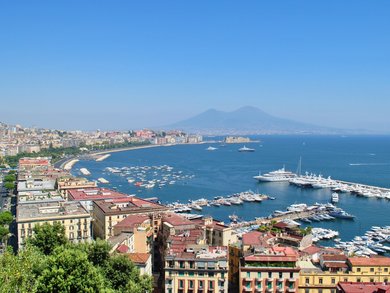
x,y
248,120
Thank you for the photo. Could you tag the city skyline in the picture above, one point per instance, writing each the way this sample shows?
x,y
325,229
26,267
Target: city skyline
x,y
134,65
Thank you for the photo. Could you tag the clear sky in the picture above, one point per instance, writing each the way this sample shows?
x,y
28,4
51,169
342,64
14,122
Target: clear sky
x,y
130,64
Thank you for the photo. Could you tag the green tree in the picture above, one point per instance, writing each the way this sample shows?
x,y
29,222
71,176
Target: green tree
x,y
18,272
119,270
143,285
10,178
47,237
4,231
99,252
9,185
69,270
6,218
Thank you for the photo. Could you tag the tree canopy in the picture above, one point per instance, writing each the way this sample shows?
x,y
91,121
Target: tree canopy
x,y
50,263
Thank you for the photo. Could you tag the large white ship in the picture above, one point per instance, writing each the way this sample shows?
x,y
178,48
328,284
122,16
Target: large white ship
x,y
276,176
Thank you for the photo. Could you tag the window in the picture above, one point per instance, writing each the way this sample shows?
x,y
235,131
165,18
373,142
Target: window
x,y
248,275
191,274
320,280
319,290
371,270
259,275
371,280
181,284
181,264
345,279
333,281
211,274
386,269
307,281
211,285
191,284
280,275
269,275
358,269
291,275
200,284
307,290
358,280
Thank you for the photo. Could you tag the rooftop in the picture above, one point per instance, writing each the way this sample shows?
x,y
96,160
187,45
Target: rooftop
x,y
132,221
94,193
139,258
50,210
126,205
363,287
370,261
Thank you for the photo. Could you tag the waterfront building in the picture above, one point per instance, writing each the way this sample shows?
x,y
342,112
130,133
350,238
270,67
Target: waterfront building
x,y
196,268
41,163
333,269
107,213
269,270
216,232
69,183
237,139
72,215
86,196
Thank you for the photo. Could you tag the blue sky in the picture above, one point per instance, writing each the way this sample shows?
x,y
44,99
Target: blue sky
x,y
130,64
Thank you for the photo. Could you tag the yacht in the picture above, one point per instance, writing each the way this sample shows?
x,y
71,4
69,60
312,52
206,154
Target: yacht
x,y
335,197
210,148
276,176
245,149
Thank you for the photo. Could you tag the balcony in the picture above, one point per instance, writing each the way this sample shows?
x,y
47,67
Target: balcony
x,y
168,286
258,289
248,279
259,280
291,289
246,289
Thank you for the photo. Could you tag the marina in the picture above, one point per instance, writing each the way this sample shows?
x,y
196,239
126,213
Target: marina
x,y
226,172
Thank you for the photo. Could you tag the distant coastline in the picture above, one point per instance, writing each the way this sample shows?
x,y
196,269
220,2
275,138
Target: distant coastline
x,y
69,163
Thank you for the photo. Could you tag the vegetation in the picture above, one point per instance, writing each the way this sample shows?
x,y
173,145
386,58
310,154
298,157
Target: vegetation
x,y
58,153
59,266
6,219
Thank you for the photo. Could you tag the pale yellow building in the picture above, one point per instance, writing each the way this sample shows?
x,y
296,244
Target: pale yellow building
x,y
324,278
69,183
72,215
107,213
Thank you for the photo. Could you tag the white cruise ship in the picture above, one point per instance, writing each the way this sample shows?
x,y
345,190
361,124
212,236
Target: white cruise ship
x,y
276,176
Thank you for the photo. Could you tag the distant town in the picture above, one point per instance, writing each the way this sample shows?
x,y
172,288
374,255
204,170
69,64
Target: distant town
x,y
180,252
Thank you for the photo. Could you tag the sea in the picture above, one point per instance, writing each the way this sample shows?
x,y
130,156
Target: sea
x,y
205,174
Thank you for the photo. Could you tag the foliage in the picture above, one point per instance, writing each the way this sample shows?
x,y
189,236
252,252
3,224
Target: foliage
x,y
6,218
305,231
10,178
50,263
98,252
68,270
47,237
58,153
18,272
9,185
4,231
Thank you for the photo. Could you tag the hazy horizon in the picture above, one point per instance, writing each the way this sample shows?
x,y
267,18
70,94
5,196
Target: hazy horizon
x,y
127,65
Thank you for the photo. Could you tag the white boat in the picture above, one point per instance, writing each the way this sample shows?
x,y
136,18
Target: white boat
x,y
85,171
102,180
245,149
197,207
276,176
335,197
210,148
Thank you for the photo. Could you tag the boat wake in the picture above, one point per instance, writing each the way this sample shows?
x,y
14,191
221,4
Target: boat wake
x,y
369,164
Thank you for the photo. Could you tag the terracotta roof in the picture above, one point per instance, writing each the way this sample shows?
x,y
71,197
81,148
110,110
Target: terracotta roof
x,y
334,257
312,249
333,264
252,238
94,193
132,221
363,287
176,220
371,261
139,258
126,205
123,248
281,225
